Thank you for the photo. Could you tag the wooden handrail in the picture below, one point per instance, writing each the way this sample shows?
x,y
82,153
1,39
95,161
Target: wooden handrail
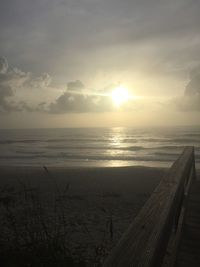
x,y
161,219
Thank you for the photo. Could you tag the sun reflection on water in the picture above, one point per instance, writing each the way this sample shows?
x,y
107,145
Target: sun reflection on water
x,y
116,141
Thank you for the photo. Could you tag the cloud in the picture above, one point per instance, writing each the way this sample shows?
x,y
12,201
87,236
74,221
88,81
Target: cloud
x,y
3,65
191,99
40,82
22,91
14,84
193,87
75,85
6,90
76,99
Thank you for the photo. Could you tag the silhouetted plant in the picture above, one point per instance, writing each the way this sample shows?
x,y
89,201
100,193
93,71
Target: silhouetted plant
x,y
35,230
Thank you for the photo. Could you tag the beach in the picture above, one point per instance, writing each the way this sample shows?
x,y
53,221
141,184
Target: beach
x,y
98,203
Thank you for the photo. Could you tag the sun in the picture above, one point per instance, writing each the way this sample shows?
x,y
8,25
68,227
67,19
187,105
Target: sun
x,y
120,95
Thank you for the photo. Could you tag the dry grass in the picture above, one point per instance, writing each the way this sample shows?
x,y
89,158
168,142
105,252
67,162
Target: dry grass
x,y
35,230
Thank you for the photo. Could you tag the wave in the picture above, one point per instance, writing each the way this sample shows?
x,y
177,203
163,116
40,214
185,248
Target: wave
x,y
77,147
192,134
170,140
30,152
103,140
27,141
91,157
128,148
131,148
184,140
76,140
169,147
7,142
167,154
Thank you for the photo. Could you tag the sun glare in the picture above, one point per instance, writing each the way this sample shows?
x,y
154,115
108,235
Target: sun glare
x,y
120,95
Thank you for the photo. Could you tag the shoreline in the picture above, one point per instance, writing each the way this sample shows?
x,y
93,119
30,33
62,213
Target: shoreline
x,y
83,168
98,164
79,174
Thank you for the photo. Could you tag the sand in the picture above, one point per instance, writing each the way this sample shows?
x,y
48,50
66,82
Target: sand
x,y
99,202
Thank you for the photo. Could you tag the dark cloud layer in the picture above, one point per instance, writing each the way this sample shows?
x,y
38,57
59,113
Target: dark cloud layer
x,y
67,36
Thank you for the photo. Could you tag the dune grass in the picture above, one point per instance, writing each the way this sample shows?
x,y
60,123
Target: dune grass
x,y
35,230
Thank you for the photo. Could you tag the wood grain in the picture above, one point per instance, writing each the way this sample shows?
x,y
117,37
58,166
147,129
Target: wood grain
x,y
146,240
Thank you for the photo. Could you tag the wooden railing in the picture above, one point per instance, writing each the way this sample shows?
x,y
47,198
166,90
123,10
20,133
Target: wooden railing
x,y
153,237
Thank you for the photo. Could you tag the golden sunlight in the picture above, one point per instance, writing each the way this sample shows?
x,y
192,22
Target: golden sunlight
x,y
120,95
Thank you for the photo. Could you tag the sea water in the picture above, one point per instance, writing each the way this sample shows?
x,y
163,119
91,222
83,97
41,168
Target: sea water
x,y
95,147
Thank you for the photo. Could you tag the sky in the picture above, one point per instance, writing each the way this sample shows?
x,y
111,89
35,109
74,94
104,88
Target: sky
x,y
61,61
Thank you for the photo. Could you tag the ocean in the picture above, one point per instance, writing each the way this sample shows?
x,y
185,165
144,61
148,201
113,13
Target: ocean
x,y
96,147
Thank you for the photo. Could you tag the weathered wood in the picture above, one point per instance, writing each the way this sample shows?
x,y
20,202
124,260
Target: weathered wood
x,y
173,246
189,251
146,240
